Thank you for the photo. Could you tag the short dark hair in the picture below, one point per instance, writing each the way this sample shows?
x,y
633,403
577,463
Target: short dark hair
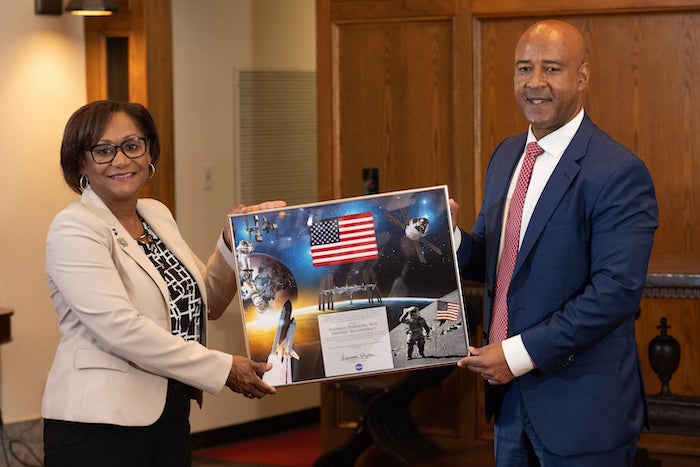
x,y
86,126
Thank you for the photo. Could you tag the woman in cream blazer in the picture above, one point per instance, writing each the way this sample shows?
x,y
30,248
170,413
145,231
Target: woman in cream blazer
x,y
113,361
121,379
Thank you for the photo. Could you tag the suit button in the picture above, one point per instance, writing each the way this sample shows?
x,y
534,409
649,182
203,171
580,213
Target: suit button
x,y
564,362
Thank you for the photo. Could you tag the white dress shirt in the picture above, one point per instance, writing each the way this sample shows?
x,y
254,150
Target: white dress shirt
x,y
554,145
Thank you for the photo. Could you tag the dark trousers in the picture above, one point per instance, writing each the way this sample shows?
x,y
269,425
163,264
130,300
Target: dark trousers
x,y
516,443
166,443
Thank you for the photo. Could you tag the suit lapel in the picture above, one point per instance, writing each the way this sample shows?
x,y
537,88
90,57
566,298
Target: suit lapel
x,y
123,240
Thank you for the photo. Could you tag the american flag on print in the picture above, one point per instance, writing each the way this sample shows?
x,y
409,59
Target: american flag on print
x,y
447,311
344,239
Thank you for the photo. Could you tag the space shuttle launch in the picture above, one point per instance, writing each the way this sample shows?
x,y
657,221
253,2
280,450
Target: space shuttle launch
x,y
282,351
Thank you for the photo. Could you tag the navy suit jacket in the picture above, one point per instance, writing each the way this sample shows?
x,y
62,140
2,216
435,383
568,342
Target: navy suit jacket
x,y
575,290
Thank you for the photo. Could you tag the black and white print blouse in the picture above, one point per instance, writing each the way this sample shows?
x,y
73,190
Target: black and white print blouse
x,y
185,297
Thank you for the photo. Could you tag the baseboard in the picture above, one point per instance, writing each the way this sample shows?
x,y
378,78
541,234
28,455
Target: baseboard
x,y
255,429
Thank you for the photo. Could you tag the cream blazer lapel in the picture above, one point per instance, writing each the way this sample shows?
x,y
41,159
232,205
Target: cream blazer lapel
x,y
125,242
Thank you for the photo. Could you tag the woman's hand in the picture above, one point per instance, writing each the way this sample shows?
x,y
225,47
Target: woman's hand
x,y
245,378
242,209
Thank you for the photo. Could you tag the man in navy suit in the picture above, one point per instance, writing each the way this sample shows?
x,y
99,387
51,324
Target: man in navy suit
x,y
564,382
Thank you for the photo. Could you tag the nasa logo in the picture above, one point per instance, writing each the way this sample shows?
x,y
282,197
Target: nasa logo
x,y
358,367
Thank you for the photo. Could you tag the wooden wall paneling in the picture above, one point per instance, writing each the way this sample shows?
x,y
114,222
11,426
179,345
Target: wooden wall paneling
x,y
498,115
568,8
464,162
147,25
394,104
324,100
383,10
159,65
645,93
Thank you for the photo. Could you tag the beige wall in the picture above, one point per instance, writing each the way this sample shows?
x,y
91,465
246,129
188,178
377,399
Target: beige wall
x,y
43,82
211,40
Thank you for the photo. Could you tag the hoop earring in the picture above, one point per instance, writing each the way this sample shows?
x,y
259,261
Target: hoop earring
x,y
151,170
83,182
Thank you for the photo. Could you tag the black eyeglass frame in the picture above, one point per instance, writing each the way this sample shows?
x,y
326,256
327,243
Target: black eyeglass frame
x,y
117,147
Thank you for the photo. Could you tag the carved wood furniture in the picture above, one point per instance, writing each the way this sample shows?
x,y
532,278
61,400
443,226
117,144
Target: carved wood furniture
x,y
675,278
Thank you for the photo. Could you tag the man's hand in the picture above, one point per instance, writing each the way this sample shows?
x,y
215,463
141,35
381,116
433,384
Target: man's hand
x,y
245,378
454,209
489,362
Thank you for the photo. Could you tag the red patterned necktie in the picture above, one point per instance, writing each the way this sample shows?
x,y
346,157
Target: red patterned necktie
x,y
511,244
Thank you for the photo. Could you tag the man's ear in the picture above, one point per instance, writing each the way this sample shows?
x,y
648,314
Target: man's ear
x,y
584,75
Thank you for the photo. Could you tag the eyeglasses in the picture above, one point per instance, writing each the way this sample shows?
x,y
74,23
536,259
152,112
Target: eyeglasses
x,y
106,152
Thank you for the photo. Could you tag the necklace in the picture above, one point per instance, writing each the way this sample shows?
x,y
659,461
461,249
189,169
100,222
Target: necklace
x,y
145,238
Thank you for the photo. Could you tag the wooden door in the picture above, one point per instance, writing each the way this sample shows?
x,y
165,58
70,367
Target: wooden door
x,y
393,93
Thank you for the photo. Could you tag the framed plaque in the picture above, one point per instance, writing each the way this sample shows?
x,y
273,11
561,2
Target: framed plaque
x,y
350,287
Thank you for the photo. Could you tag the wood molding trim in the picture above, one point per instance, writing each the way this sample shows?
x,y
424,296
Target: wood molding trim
x,y
147,25
534,8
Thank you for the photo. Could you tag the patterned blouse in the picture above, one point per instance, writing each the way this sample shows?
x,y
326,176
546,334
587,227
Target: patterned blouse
x,y
185,297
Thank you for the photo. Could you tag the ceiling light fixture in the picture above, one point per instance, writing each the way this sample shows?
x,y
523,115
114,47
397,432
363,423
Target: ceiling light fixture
x,y
91,7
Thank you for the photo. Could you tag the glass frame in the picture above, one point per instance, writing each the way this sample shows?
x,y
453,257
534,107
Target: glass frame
x,y
318,319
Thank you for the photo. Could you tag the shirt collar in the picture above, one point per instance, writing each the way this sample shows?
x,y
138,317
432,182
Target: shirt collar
x,y
557,141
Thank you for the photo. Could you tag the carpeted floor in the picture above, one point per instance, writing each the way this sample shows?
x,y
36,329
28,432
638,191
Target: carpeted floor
x,y
295,448
301,447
